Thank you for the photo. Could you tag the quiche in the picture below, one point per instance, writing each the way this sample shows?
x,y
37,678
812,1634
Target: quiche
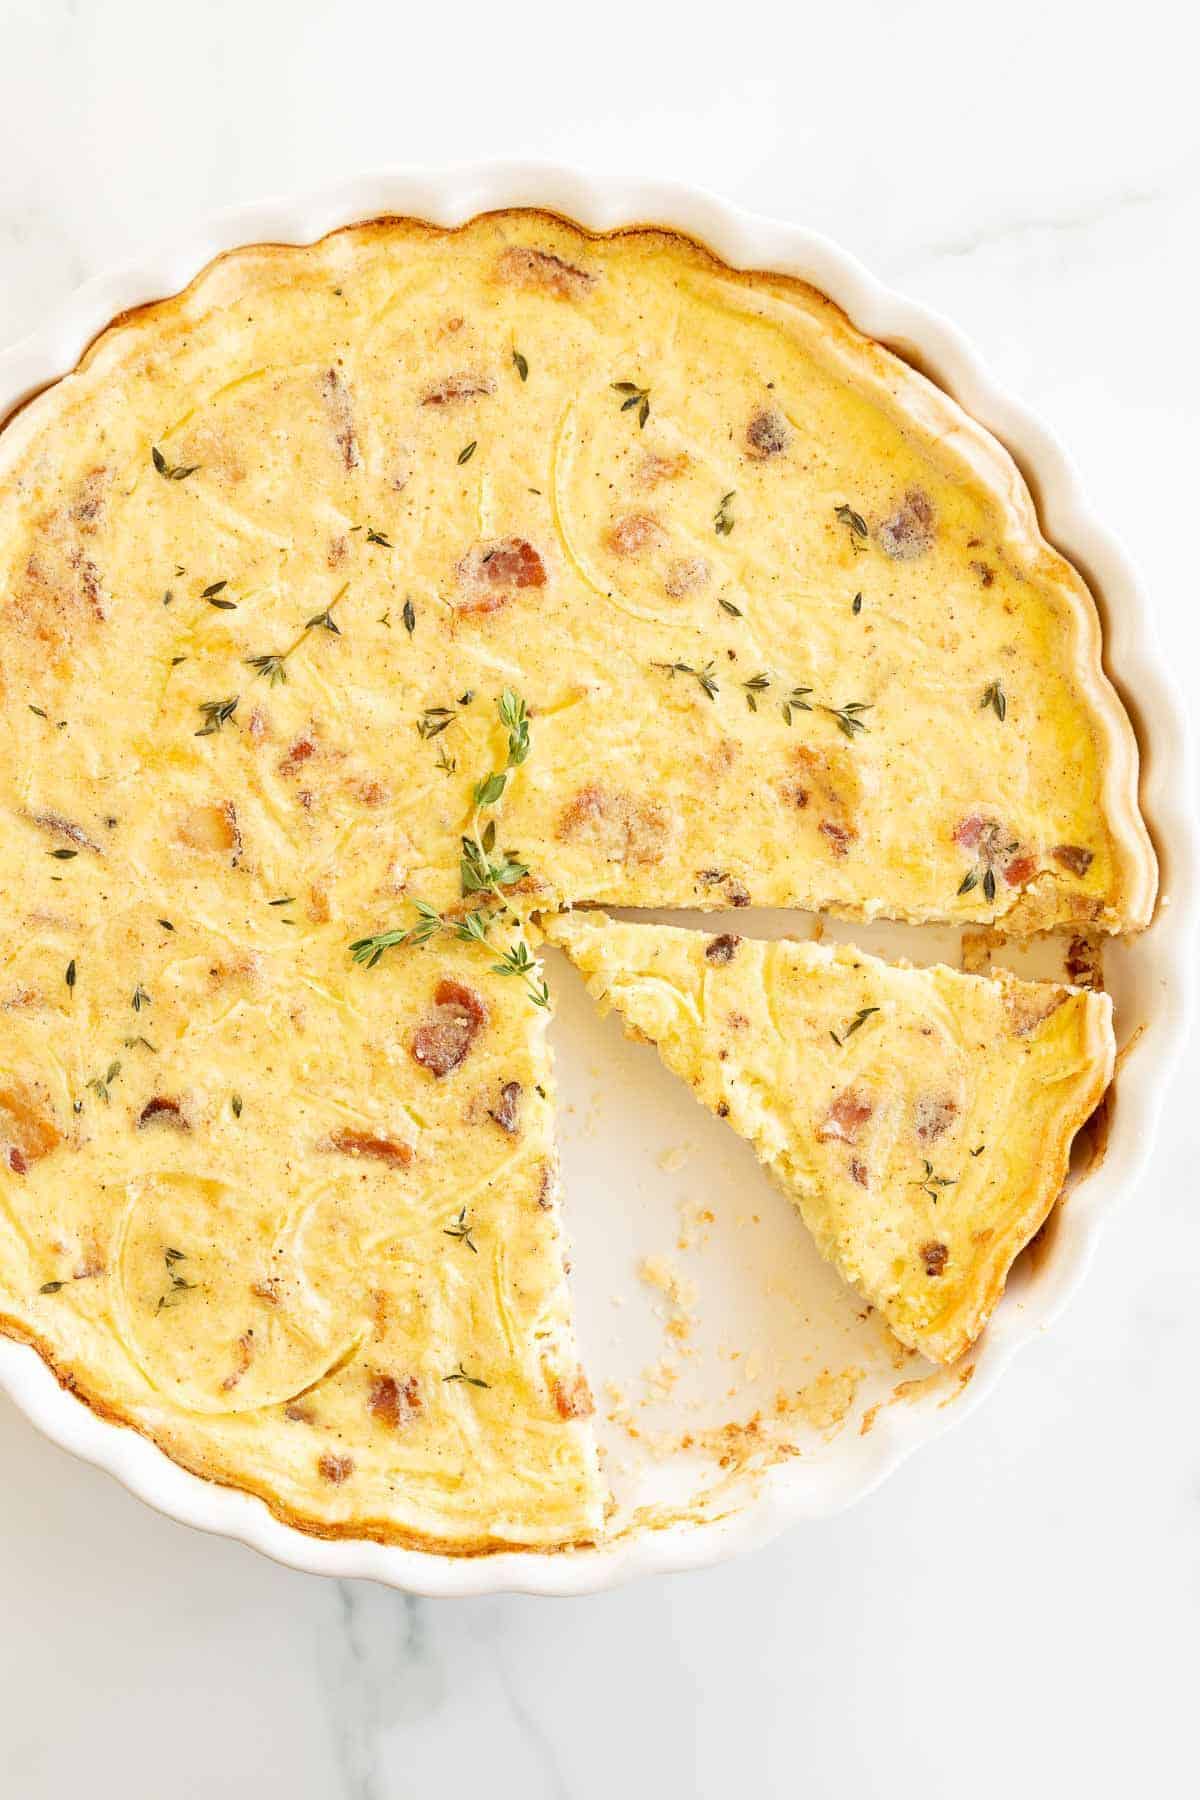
x,y
920,1119
355,604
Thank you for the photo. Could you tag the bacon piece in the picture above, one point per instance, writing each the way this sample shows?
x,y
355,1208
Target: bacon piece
x,y
1084,964
338,405
572,1399
213,828
986,575
65,828
462,386
934,1256
444,1038
335,1468
491,573
721,949
616,825
543,272
1027,1010
245,1355
394,1403
636,532
300,1415
934,1114
970,830
686,575
654,467
26,1127
162,1109
393,1151
1020,870
298,753
507,1113
767,434
859,1172
911,529
846,1117
267,1289
1073,857
88,501
840,838
827,781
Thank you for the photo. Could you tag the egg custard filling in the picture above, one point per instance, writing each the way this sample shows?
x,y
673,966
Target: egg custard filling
x,y
364,599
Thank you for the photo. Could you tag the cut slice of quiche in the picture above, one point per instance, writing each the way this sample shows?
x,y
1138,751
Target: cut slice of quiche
x,y
921,1119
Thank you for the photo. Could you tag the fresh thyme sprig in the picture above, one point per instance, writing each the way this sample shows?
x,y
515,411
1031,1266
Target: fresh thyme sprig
x,y
462,1231
855,523
704,676
995,697
848,716
860,1018
634,396
216,713
460,1374
271,666
171,471
723,520
518,960
929,1182
520,365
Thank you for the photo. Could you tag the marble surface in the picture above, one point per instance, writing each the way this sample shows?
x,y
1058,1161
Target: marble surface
x,y
1017,1609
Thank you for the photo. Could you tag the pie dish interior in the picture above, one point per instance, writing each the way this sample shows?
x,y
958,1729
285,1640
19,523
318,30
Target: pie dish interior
x,y
587,839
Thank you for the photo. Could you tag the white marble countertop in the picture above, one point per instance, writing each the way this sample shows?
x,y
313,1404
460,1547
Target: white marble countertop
x,y
1017,1609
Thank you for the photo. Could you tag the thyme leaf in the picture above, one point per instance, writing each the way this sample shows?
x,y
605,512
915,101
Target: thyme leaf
x,y
995,697
704,676
216,713
171,471
723,520
634,396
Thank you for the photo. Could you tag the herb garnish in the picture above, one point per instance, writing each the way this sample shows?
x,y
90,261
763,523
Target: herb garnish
x,y
929,1182
995,697
409,615
723,521
797,701
235,1105
70,975
179,1287
468,451
518,960
460,1374
856,523
140,998
847,716
860,1018
100,1084
447,764
856,604
462,1231
520,365
51,1287
271,668
216,713
62,855
756,685
734,612
379,537
169,471
704,676
635,396
435,719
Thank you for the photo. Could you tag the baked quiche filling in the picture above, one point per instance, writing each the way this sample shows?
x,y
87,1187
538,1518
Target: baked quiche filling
x,y
368,598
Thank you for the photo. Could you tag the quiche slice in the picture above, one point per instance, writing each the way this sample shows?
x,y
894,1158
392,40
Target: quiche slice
x,y
297,1222
920,1119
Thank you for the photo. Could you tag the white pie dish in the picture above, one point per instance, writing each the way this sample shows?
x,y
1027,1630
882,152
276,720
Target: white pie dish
x,y
615,1226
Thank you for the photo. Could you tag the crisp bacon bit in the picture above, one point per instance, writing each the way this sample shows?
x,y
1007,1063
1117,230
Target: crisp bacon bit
x,y
212,828
300,1415
687,575
298,754
737,894
371,793
934,1256
507,1112
985,574
1083,964
911,529
968,831
245,1355
840,838
768,434
934,1114
462,386
366,1143
573,1399
636,532
491,573
163,1110
722,1109
336,396
394,1403
653,468
335,556
1073,857
859,1172
541,270
617,826
28,1130
442,1040
721,949
335,1468
1028,1008
846,1117
65,828
1020,870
